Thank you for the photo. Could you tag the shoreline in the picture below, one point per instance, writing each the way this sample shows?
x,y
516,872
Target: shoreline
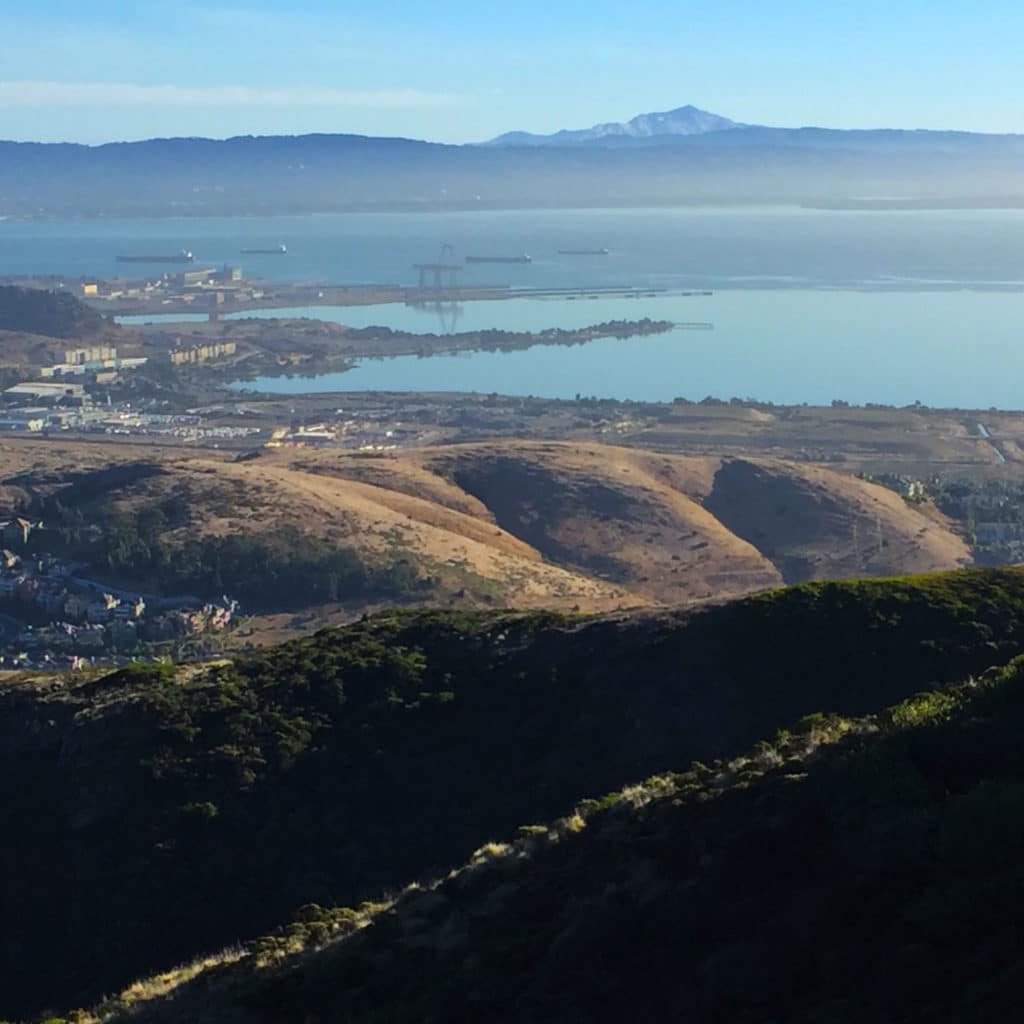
x,y
336,351
344,296
825,204
307,296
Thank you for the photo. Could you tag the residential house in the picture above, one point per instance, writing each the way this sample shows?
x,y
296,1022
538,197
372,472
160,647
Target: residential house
x,y
9,560
17,531
187,621
130,610
101,611
75,607
64,635
218,618
91,638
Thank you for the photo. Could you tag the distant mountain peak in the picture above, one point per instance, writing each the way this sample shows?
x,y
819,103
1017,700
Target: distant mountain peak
x,y
687,120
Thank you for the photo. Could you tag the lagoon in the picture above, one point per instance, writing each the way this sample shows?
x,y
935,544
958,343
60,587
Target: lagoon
x,y
949,349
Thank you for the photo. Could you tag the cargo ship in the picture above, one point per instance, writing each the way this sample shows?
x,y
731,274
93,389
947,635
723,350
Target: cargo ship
x,y
280,250
499,259
583,252
182,256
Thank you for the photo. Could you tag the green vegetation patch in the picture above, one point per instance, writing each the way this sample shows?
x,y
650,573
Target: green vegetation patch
x,y
55,314
280,570
205,806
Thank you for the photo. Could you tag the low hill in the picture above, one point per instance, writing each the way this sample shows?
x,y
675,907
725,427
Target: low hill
x,y
850,869
49,313
158,814
666,529
518,524
677,528
529,525
812,523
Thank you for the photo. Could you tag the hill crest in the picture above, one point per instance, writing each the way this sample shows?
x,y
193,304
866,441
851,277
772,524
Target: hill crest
x,y
619,167
682,121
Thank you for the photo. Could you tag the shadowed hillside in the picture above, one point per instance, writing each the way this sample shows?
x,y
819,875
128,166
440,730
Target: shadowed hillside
x,y
850,869
54,314
187,809
815,524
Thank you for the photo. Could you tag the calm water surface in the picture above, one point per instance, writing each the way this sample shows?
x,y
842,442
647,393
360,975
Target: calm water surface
x,y
943,349
808,306
715,248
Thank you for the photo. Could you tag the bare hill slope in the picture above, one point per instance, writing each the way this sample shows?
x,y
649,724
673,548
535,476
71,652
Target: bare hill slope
x,y
814,523
672,529
524,523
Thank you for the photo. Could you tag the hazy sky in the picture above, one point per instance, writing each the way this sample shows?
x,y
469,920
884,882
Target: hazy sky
x,y
465,71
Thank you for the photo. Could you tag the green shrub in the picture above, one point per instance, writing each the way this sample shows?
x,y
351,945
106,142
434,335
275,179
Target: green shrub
x,y
202,811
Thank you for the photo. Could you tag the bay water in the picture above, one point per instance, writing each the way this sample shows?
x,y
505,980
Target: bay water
x,y
864,306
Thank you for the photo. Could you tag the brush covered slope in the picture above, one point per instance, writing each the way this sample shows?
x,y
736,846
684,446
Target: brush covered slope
x,y
849,869
38,326
159,813
54,314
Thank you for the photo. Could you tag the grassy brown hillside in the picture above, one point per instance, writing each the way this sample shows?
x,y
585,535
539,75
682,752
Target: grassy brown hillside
x,y
817,524
673,529
530,525
19,350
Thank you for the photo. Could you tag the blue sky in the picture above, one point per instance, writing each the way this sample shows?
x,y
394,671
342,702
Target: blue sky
x,y
114,69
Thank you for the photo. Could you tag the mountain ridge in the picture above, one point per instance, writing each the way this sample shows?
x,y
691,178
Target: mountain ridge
x,y
323,172
681,121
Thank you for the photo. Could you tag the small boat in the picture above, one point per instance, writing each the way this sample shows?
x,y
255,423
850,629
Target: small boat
x,y
583,252
280,250
182,256
499,259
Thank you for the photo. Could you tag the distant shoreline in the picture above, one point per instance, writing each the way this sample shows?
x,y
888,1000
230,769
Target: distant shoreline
x,y
823,204
340,351
340,296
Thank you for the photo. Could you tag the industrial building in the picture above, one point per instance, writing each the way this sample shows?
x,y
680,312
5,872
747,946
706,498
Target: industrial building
x,y
92,354
32,418
45,391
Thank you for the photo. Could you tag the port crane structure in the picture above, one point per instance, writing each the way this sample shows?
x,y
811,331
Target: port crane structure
x,y
441,277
